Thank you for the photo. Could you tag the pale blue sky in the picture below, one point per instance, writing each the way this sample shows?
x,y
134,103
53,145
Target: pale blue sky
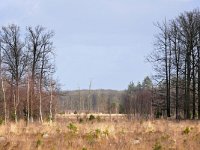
x,y
105,41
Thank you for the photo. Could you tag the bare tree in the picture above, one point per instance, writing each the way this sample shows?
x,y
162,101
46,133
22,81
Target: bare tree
x,y
176,48
198,61
40,47
14,59
28,100
89,96
177,55
161,59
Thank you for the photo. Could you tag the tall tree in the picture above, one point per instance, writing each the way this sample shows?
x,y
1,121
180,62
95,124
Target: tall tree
x,y
176,61
188,33
198,61
14,59
39,47
161,59
176,49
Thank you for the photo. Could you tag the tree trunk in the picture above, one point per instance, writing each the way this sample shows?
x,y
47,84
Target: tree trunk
x,y
188,84
31,100
50,104
194,85
198,50
185,98
4,99
40,92
169,80
15,107
28,109
198,81
167,75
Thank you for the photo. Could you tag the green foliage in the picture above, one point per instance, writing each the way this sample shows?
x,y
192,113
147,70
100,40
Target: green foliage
x,y
157,146
92,117
1,121
12,116
186,130
131,87
61,113
93,135
84,148
106,132
147,83
38,143
121,109
158,114
97,133
190,115
90,137
139,86
48,119
72,127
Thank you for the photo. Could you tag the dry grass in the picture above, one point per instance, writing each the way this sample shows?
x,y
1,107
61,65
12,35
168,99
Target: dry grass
x,y
94,135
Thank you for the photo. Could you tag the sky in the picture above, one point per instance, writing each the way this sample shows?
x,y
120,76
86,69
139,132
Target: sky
x,y
100,41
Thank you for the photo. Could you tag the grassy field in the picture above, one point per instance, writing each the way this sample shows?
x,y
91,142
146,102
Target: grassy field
x,y
101,134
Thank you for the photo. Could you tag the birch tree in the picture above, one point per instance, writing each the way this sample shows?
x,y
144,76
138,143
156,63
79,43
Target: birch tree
x,y
14,60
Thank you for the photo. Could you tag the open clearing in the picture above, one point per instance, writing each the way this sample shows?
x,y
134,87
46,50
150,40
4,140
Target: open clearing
x,y
101,134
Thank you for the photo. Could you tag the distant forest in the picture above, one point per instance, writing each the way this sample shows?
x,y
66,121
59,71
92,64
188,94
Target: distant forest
x,y
137,99
99,101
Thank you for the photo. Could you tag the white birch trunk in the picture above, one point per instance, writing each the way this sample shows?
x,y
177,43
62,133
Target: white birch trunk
x,y
4,99
28,90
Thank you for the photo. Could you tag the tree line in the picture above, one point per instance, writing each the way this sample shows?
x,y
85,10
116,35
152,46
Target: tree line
x,y
176,61
26,73
85,101
136,101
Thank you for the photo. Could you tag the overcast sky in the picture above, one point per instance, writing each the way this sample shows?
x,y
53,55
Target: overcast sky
x,y
105,41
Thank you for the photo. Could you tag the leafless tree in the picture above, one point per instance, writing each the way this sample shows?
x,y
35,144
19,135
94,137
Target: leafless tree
x,y
14,59
40,48
177,48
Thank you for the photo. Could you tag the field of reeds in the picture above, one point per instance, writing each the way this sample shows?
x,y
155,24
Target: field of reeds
x,y
97,133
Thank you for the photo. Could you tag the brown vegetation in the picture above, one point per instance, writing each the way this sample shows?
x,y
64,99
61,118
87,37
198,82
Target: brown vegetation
x,y
102,134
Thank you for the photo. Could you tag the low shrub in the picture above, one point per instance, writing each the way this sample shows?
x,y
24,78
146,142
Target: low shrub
x,y
84,148
93,135
75,112
61,113
186,130
98,118
81,120
38,143
90,137
92,117
72,127
106,132
97,133
157,146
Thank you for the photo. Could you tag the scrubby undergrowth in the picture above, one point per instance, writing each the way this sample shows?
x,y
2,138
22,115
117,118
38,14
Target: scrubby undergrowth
x,y
94,135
